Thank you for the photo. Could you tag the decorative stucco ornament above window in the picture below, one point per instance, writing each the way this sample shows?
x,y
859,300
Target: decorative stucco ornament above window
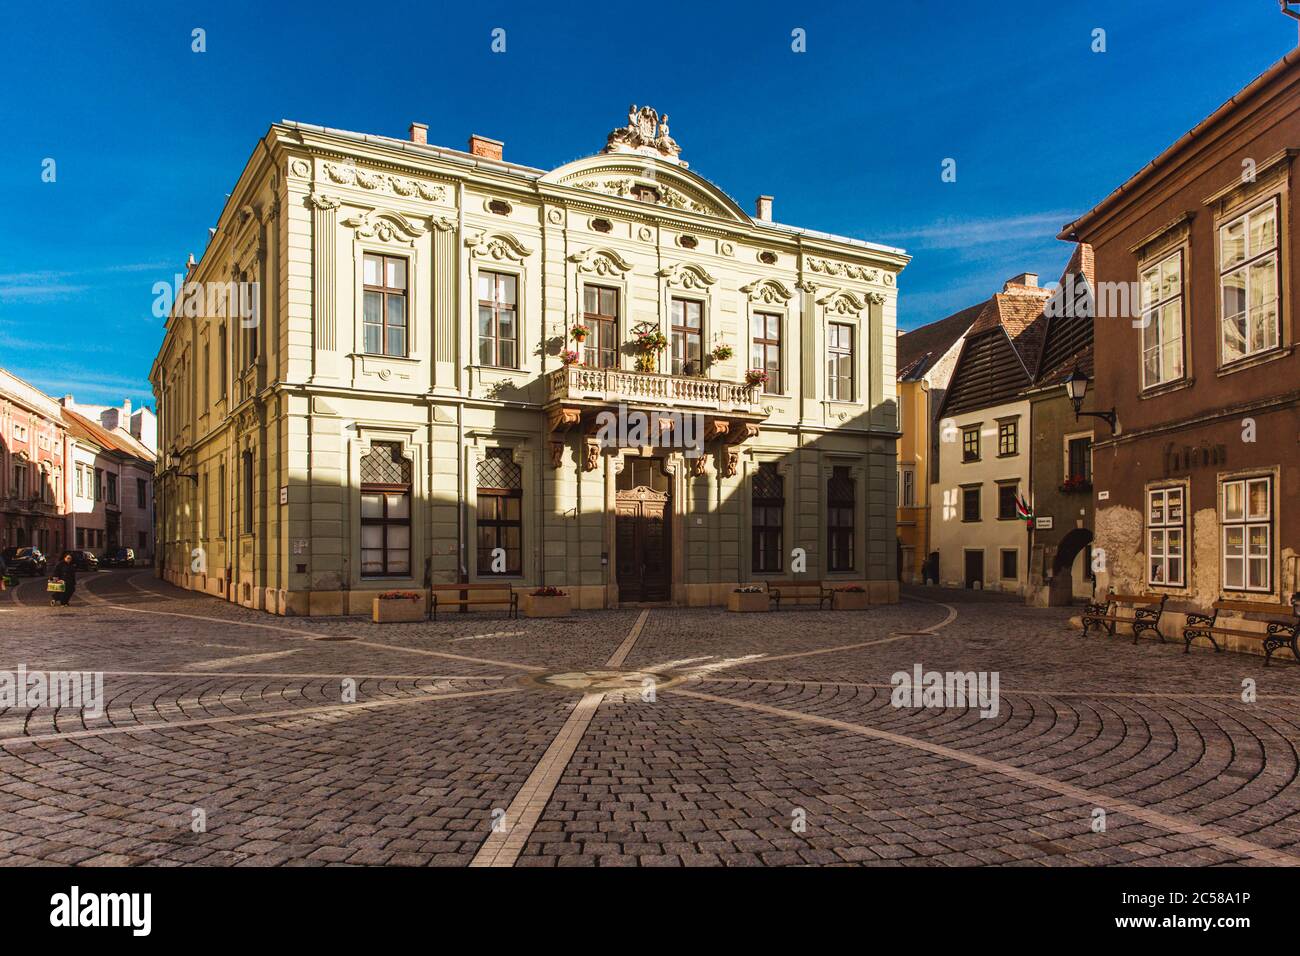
x,y
646,133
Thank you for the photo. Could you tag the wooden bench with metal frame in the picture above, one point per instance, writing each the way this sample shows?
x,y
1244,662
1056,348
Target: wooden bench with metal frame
x,y
468,594
1278,633
1147,610
796,592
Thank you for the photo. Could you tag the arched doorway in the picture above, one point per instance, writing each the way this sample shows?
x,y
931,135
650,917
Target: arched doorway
x,y
1062,590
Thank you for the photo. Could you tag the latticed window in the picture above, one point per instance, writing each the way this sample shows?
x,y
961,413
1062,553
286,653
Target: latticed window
x,y
500,513
840,506
768,489
385,512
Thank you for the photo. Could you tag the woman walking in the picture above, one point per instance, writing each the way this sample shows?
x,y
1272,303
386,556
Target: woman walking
x,y
67,573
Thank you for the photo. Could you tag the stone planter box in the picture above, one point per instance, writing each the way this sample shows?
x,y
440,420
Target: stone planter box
x,y
850,600
748,602
397,611
559,605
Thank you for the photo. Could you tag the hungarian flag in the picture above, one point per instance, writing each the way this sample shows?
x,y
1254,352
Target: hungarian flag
x,y
1023,511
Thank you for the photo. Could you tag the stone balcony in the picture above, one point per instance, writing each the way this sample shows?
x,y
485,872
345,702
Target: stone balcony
x,y
582,385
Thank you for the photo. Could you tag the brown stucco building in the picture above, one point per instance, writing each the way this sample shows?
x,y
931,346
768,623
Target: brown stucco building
x,y
1196,351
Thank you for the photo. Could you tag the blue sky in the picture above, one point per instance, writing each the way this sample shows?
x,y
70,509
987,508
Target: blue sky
x,y
849,136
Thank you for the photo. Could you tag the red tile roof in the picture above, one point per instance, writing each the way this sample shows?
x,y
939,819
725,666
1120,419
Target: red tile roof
x,y
79,426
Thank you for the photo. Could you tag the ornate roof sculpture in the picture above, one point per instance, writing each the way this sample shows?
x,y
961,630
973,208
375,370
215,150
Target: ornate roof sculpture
x,y
646,132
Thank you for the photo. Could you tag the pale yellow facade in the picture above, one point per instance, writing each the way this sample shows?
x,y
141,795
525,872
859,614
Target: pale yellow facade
x,y
980,549
270,427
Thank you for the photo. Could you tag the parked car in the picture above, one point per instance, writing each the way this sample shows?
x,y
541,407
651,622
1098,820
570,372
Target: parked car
x,y
118,558
27,561
82,560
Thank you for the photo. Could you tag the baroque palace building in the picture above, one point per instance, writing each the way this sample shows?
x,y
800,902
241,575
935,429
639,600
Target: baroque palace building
x,y
370,382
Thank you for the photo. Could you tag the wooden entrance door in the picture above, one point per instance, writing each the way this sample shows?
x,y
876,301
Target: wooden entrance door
x,y
974,569
643,560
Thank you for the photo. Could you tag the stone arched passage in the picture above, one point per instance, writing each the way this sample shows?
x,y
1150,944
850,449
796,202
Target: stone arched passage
x,y
1062,587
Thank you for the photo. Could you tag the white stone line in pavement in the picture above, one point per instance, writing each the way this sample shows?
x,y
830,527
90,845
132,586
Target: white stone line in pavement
x,y
455,657
130,582
193,675
1224,841
217,663
502,848
620,655
1122,695
952,613
326,709
311,635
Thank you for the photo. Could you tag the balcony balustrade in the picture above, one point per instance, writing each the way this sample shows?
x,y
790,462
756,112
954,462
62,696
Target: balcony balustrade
x,y
580,383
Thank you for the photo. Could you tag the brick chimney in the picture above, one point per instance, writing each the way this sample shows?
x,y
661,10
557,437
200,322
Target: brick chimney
x,y
763,208
420,133
487,148
1025,278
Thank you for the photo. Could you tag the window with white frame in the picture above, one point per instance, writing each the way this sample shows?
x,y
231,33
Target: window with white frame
x,y
1161,292
1248,282
1246,519
1166,537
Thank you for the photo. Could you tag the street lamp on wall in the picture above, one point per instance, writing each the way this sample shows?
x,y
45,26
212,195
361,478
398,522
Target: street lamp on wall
x,y
174,460
1076,386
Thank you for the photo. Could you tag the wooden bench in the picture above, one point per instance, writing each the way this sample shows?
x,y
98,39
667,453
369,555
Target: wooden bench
x,y
463,595
1278,633
797,592
1147,610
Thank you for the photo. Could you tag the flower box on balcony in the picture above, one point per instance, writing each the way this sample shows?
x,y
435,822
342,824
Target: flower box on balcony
x,y
1076,485
548,602
852,598
398,607
748,602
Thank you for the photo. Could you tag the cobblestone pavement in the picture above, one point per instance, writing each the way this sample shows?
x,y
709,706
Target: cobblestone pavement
x,y
702,738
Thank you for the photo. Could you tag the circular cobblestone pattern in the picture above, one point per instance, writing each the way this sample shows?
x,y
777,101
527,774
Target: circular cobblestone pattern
x,y
225,736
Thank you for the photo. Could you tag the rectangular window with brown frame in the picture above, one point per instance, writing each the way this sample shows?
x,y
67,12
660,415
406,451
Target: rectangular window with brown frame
x,y
970,503
1008,439
1166,537
768,506
1007,494
841,505
498,319
839,362
1010,564
385,512
765,348
970,443
500,514
1246,516
600,315
384,306
1249,282
687,337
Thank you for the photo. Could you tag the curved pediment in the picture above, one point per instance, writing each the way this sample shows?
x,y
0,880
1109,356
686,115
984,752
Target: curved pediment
x,y
624,175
